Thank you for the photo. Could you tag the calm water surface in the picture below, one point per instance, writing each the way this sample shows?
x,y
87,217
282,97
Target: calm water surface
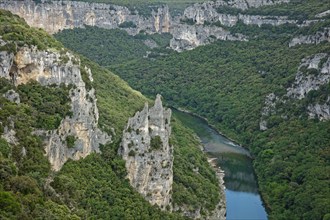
x,y
243,199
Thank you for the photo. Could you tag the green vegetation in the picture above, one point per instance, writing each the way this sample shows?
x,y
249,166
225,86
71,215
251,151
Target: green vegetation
x,y
127,24
98,192
14,28
156,143
190,188
70,140
51,103
227,83
111,46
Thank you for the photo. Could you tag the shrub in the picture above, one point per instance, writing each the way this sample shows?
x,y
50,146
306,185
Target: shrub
x,y
156,143
70,140
131,153
127,24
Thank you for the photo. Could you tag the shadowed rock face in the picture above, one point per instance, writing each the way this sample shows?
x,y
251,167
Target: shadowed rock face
x,y
148,154
47,68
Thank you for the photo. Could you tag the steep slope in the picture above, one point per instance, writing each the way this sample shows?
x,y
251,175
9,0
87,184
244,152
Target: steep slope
x,y
58,105
270,93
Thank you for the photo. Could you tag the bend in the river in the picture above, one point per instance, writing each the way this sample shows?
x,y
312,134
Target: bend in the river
x,y
242,196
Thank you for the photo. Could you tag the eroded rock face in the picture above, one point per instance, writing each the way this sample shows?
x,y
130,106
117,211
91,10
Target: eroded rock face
x,y
189,37
54,16
267,110
12,96
323,14
245,4
204,13
317,38
306,82
51,68
320,111
148,154
313,72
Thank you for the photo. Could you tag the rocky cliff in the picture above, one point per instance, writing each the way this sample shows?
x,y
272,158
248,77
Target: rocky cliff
x,y
50,67
313,73
208,12
317,38
149,155
54,16
188,37
245,4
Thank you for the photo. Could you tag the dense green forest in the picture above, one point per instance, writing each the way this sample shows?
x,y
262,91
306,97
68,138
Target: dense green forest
x,y
227,83
94,187
116,45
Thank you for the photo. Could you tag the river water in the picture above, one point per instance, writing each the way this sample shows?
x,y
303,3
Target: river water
x,y
242,196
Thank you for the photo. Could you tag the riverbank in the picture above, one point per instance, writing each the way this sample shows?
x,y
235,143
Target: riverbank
x,y
243,200
235,142
220,211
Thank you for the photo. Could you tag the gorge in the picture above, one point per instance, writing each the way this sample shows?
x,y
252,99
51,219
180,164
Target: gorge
x,y
258,71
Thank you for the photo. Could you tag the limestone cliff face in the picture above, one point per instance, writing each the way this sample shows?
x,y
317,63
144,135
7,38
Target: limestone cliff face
x,y
306,82
207,12
245,4
54,16
188,37
313,72
148,154
320,111
317,38
48,68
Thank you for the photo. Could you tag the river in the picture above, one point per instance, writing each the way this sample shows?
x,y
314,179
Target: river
x,y
242,196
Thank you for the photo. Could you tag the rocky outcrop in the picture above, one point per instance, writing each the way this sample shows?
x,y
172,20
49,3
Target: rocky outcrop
x,y
320,111
149,155
188,37
267,110
9,134
323,14
220,211
12,96
313,72
50,68
317,38
206,13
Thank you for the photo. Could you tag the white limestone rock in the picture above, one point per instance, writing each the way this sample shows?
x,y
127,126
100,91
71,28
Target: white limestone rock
x,y
150,168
